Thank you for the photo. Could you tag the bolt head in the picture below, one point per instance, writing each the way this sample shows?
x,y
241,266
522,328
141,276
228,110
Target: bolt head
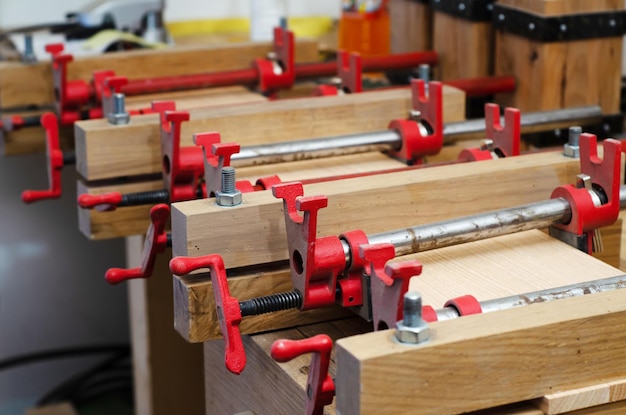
x,y
412,335
228,199
118,118
571,151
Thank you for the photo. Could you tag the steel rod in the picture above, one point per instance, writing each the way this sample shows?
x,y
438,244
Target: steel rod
x,y
383,140
542,296
476,227
530,121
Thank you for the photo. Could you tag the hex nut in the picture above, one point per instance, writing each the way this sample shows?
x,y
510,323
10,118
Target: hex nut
x,y
412,335
118,118
228,199
571,151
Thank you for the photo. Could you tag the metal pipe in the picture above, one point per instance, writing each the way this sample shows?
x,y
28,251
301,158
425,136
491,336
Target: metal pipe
x,y
542,296
483,86
531,122
317,148
384,140
476,227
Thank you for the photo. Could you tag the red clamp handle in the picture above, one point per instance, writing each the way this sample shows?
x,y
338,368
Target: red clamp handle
x,y
320,386
228,310
278,74
605,175
55,162
389,282
216,155
105,202
155,243
505,140
315,262
426,139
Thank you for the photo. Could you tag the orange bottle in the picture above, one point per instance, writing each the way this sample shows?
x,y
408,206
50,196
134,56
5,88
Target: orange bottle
x,y
364,27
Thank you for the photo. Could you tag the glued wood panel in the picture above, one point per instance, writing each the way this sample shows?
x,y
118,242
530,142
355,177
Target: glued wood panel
x,y
105,151
572,400
414,197
135,220
23,85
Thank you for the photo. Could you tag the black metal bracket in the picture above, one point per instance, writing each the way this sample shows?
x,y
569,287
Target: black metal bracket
x,y
472,10
559,28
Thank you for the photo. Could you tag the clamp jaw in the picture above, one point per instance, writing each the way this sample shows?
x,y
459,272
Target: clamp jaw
x,y
156,242
70,96
501,141
422,134
349,75
55,162
594,200
320,386
277,71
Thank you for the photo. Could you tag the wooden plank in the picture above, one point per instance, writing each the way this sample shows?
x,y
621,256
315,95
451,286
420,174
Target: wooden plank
x,y
533,350
285,393
414,197
104,151
410,26
572,400
135,220
465,48
558,7
168,374
24,85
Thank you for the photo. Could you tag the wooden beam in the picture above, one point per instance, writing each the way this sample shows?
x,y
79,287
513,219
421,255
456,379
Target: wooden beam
x,y
572,400
414,197
168,374
559,7
135,220
532,350
24,85
105,151
410,26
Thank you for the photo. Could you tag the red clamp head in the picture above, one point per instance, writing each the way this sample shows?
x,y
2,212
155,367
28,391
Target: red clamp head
x,y
319,386
155,243
216,155
110,86
424,135
501,141
278,70
315,262
389,282
182,166
228,310
349,73
595,200
70,95
55,162
350,70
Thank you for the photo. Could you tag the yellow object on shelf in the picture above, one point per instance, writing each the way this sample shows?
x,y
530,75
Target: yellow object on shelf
x,y
365,28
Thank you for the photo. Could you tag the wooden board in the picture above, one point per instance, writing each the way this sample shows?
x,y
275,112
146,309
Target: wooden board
x,y
414,197
410,26
135,220
23,85
465,48
168,374
561,74
533,350
571,400
106,152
